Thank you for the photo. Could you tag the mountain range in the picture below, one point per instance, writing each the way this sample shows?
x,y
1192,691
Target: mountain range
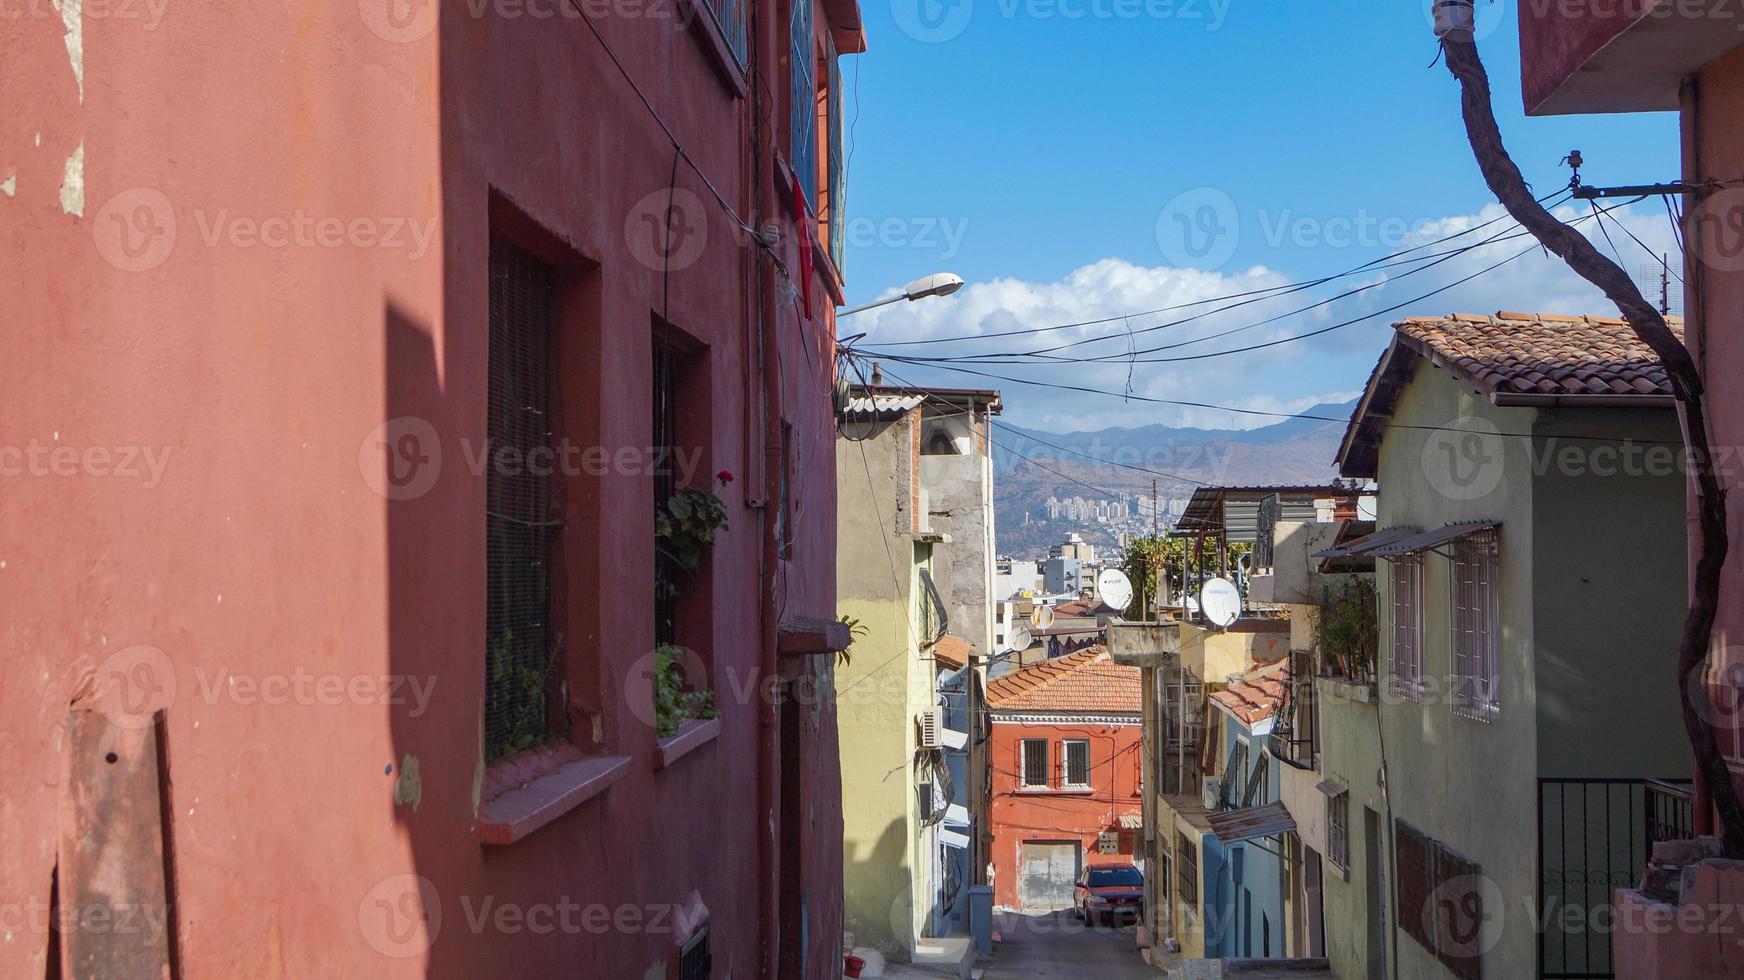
x,y
1031,466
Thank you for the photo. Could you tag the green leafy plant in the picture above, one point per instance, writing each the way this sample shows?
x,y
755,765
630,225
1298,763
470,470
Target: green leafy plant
x,y
856,629
686,527
1347,629
673,702
517,695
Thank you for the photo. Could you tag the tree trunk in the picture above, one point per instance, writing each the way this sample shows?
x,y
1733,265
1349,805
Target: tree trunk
x,y
1686,383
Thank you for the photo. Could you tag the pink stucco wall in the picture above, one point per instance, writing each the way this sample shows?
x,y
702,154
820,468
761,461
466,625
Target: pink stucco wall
x,y
281,245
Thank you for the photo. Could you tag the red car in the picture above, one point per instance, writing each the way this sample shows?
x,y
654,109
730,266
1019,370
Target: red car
x,y
1106,892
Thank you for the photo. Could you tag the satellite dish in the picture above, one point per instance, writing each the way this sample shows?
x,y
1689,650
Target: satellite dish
x,y
1042,617
1221,601
1114,588
1020,639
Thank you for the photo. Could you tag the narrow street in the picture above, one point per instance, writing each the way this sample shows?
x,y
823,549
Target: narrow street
x,y
1057,944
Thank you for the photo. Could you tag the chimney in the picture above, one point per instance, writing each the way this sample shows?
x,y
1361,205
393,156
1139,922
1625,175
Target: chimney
x,y
877,375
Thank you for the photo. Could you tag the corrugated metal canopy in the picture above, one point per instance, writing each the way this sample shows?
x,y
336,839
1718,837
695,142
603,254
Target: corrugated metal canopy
x,y
880,405
1236,510
1429,540
1252,823
1370,544
1131,821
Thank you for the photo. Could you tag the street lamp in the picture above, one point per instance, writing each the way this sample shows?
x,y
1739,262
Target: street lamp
x,y
937,284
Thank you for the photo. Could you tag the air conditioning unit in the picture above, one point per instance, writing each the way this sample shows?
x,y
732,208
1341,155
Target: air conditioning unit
x,y
930,723
1213,793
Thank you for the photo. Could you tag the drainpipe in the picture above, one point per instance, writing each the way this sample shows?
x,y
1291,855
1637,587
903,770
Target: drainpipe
x,y
1695,338
769,316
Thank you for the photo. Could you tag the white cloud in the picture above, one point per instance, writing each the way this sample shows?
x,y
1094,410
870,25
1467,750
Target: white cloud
x,y
1285,378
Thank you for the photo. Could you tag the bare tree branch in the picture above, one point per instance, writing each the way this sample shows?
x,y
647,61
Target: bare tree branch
x,y
1711,546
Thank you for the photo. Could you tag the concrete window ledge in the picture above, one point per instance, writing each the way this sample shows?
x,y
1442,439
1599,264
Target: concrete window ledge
x,y
693,734
531,790
1352,691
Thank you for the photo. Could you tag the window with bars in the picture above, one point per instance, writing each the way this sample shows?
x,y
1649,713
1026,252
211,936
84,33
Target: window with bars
x,y
1448,888
730,17
665,412
1188,877
1232,774
836,188
1182,708
1256,782
1338,830
523,507
1035,763
1076,753
1407,627
802,59
931,614
1475,573
695,961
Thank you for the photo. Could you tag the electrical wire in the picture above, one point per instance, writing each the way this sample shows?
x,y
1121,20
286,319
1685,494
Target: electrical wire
x,y
1386,261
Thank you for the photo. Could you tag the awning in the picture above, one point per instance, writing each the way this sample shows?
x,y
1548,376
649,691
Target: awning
x,y
1370,544
1251,823
1430,540
1132,821
1332,787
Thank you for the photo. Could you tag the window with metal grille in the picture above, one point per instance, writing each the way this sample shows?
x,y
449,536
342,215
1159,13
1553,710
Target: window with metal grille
x,y
1182,709
695,961
665,410
802,60
837,188
1188,877
1477,676
1035,763
729,16
1338,830
1256,782
1407,581
1076,753
523,506
931,613
1232,774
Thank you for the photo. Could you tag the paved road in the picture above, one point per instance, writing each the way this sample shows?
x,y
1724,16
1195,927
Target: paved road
x,y
1058,945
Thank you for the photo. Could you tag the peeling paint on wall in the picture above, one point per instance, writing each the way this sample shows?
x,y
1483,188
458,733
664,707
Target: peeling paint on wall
x,y
9,186
73,17
409,788
73,187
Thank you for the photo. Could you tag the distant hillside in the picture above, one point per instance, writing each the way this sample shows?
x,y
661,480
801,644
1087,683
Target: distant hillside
x,y
1117,460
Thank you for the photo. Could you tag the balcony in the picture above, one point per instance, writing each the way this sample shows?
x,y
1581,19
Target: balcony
x,y
1293,738
1619,57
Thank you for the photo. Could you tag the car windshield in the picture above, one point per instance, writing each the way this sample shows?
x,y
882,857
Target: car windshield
x,y
1106,877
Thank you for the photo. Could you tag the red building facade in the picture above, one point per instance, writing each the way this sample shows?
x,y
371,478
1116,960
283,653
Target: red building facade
x,y
1066,750
352,349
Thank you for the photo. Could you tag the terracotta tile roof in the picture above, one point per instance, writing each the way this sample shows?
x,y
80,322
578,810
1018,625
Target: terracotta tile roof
x,y
953,651
1533,354
1086,681
1253,701
1543,353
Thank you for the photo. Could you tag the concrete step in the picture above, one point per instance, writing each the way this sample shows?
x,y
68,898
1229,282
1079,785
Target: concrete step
x,y
949,955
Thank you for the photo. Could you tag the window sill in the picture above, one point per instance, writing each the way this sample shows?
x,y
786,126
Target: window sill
x,y
561,780
1357,692
1339,871
1051,791
692,735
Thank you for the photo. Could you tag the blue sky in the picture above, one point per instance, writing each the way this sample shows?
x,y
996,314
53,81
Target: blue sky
x,y
1049,152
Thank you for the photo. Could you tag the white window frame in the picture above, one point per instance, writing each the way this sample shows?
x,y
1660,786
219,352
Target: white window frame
x,y
1406,575
1338,830
1024,751
1066,763
1474,604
